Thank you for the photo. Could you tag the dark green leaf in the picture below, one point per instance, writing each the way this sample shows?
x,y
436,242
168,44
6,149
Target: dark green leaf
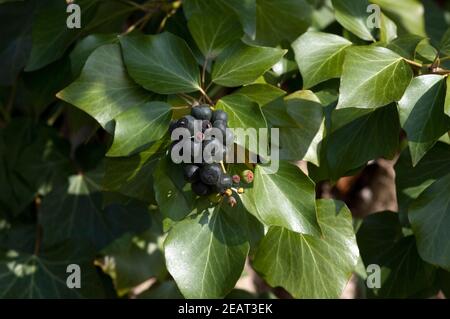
x,y
311,267
286,198
429,215
352,15
105,94
422,115
138,127
162,63
206,252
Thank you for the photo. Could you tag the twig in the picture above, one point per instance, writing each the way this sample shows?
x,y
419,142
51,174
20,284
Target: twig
x,y
413,63
206,96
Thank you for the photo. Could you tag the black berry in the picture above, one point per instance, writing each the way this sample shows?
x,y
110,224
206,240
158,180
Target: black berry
x,y
201,189
191,173
202,112
219,115
210,174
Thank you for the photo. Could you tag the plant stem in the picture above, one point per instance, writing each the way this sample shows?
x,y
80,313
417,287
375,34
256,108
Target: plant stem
x,y
223,167
413,63
206,96
205,64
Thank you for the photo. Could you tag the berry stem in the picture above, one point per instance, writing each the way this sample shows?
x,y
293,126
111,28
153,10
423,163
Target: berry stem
x,y
223,167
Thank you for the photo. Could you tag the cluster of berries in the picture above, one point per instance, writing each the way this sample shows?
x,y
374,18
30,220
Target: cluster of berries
x,y
206,135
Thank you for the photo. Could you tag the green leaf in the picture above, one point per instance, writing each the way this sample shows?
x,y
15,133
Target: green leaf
x,y
15,45
162,63
45,276
131,260
388,30
445,43
353,16
33,160
85,47
372,77
104,95
132,176
283,20
403,273
405,45
311,267
206,252
138,127
245,114
300,120
411,180
319,56
261,93
242,64
359,136
75,212
173,195
429,215
407,14
422,115
214,31
286,198
51,36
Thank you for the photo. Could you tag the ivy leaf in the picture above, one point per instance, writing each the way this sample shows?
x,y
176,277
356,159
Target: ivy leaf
x,y
445,43
173,195
319,56
51,36
283,20
405,45
411,180
388,29
165,290
132,176
85,47
133,259
15,46
307,266
429,215
360,135
242,64
403,273
213,31
261,93
205,253
44,276
243,113
161,63
138,127
286,198
353,16
104,95
75,212
33,160
407,14
372,77
422,116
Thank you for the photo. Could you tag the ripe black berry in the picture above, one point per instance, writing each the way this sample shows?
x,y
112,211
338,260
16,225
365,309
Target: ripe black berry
x,y
219,115
222,126
210,174
201,189
224,183
202,112
191,173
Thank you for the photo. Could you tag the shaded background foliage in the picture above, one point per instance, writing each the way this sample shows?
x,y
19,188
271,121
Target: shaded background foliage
x,y
85,178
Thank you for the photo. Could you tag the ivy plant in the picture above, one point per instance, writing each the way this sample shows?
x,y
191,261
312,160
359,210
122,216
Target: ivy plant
x,y
86,176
